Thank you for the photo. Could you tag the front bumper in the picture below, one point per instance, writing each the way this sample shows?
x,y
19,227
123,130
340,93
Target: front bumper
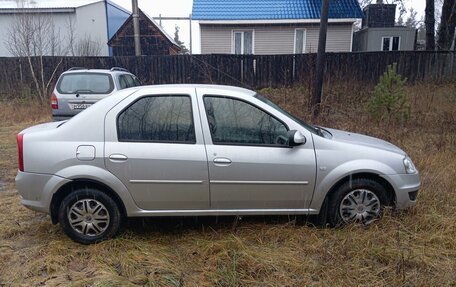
x,y
37,189
406,188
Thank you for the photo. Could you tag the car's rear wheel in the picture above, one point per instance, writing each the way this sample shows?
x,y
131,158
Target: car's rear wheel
x,y
88,216
359,200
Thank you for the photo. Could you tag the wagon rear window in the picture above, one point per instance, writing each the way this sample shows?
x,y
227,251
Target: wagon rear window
x,y
85,83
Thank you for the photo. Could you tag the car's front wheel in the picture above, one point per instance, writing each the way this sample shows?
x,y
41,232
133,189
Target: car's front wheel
x,y
88,216
360,200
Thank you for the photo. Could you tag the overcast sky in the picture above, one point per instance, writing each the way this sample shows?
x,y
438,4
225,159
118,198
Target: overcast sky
x,y
183,8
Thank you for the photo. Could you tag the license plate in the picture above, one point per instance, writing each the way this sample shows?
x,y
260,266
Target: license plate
x,y
79,106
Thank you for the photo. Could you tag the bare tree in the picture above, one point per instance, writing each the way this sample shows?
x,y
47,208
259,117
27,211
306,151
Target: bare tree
x,y
87,47
429,20
34,36
412,21
70,25
452,29
447,25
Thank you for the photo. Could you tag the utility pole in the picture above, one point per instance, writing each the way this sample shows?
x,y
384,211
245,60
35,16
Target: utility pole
x,y
429,22
137,36
190,24
321,57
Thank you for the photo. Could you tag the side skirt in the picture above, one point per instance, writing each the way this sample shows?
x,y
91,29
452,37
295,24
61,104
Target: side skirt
x,y
215,212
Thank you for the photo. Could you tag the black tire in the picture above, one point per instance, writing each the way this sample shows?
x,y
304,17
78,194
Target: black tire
x,y
106,207
334,216
321,219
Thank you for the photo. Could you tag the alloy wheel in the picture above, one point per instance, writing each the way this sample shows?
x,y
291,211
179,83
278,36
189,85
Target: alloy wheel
x,y
360,205
88,217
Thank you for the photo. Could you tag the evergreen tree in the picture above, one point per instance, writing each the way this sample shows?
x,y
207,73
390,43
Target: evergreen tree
x,y
389,100
181,44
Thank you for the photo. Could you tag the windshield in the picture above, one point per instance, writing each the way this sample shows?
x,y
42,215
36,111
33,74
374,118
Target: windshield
x,y
85,83
298,120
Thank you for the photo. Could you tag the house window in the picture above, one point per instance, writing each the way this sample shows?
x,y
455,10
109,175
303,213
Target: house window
x,y
243,42
300,41
390,43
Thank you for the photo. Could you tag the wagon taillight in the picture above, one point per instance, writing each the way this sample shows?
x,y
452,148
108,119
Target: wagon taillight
x,y
54,102
20,151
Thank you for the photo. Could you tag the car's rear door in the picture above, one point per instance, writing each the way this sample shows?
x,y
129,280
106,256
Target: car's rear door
x,y
251,166
154,145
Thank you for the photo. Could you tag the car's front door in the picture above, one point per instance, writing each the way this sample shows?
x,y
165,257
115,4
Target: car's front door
x,y
251,165
154,145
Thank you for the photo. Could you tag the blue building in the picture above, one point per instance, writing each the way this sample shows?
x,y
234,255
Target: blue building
x,y
78,27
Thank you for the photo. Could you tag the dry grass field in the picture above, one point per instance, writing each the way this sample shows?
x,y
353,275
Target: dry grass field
x,y
412,248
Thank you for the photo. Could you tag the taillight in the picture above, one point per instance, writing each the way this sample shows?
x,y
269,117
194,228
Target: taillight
x,y
54,102
20,151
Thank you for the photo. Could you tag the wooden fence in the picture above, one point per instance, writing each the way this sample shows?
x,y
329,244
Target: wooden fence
x,y
251,71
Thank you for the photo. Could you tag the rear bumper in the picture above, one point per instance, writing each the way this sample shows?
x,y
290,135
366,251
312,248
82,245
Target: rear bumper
x,y
37,189
61,118
406,188
63,114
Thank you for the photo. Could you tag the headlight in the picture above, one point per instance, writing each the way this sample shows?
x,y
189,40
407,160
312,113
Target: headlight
x,y
409,166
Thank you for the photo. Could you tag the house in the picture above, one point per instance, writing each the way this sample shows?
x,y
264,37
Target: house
x,y
154,40
76,27
379,32
273,26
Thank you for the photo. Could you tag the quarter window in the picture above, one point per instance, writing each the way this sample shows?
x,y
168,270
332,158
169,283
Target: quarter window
x,y
233,121
157,119
128,81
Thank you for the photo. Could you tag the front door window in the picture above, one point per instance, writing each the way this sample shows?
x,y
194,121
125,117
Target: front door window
x,y
235,122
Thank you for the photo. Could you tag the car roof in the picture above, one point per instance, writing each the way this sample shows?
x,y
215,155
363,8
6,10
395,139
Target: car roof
x,y
105,71
206,87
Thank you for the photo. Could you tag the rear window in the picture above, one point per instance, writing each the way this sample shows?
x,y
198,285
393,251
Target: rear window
x,y
85,83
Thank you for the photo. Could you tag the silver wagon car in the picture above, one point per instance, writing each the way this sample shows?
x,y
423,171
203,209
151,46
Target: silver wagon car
x,y
192,150
79,88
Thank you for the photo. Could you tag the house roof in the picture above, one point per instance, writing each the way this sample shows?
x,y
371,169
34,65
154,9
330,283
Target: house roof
x,y
272,9
170,39
45,4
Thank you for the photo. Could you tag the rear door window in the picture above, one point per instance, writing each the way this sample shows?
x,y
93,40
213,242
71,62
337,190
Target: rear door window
x,y
85,83
166,119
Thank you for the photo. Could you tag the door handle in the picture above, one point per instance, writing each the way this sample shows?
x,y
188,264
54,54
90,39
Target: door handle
x,y
118,157
222,161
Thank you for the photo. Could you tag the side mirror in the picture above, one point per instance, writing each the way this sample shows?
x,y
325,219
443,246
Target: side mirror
x,y
296,138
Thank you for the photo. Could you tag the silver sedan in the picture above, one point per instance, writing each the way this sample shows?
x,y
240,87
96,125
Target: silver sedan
x,y
194,150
